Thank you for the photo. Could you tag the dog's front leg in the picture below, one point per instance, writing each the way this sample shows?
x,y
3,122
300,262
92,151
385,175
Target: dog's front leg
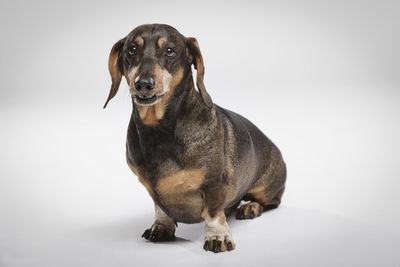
x,y
218,235
163,228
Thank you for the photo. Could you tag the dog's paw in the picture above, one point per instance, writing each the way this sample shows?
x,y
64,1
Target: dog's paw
x,y
218,243
249,211
159,232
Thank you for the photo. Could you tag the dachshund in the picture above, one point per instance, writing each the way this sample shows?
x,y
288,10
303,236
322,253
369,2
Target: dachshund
x,y
197,160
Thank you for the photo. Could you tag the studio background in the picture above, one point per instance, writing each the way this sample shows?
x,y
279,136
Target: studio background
x,y
320,78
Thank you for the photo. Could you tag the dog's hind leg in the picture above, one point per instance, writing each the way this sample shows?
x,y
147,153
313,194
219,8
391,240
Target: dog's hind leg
x,y
163,228
267,192
258,203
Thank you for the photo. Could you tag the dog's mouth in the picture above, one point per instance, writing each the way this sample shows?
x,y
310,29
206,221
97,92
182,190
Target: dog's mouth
x,y
147,100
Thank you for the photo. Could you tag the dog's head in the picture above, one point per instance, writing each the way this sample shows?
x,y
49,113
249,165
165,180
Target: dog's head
x,y
153,59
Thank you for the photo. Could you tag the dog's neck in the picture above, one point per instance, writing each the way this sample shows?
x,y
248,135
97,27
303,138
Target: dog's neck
x,y
151,115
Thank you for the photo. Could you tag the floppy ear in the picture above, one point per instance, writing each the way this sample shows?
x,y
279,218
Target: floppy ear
x,y
115,68
198,63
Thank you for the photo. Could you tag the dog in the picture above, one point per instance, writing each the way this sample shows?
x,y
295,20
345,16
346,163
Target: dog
x,y
198,161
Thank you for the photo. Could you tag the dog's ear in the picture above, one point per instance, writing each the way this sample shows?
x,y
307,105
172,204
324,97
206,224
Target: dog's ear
x,y
115,68
197,60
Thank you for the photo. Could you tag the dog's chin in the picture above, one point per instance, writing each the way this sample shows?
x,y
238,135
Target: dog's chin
x,y
151,100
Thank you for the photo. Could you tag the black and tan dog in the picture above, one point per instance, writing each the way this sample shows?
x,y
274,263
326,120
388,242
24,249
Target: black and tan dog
x,y
196,159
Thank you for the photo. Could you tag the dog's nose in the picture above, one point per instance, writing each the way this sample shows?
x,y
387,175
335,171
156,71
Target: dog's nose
x,y
144,84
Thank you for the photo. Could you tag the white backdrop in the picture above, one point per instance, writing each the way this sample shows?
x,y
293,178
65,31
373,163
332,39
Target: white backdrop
x,y
320,78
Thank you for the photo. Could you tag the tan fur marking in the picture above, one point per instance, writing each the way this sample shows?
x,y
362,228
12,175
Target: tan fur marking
x,y
130,77
161,42
139,41
113,68
205,213
150,115
147,115
220,216
256,189
258,193
254,207
181,182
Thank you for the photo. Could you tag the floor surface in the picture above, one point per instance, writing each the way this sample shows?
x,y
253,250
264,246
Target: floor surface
x,y
68,199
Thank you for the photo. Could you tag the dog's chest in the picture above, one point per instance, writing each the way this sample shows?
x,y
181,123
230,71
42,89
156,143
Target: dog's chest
x,y
160,159
180,196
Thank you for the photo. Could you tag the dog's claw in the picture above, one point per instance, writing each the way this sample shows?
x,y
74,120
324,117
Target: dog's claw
x,y
146,234
206,245
213,245
216,245
219,244
252,214
154,233
229,245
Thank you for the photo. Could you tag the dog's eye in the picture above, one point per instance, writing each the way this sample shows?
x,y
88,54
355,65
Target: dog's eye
x,y
169,52
132,50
